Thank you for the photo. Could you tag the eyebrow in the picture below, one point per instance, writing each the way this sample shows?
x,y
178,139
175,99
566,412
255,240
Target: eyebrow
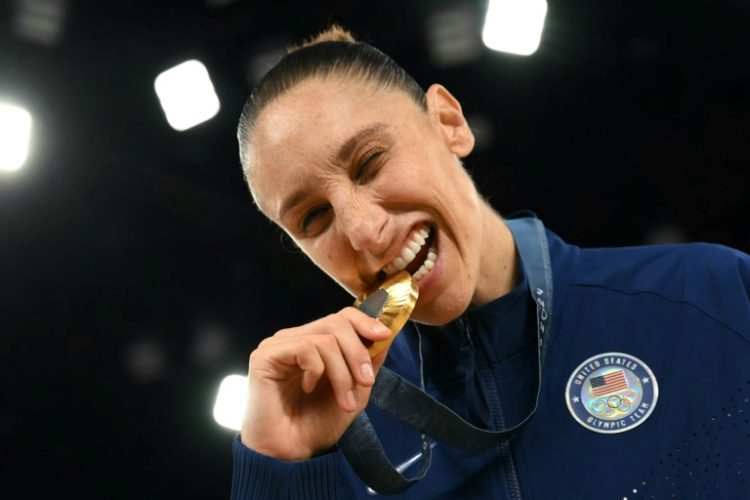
x,y
347,149
341,157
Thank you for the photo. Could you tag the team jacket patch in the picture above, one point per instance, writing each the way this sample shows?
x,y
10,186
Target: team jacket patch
x,y
611,392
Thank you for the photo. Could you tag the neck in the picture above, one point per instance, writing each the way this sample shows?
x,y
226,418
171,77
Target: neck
x,y
499,259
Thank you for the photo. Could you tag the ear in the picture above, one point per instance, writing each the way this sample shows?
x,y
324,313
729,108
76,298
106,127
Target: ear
x,y
446,115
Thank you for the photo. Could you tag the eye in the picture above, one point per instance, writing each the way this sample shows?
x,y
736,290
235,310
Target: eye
x,y
312,216
367,161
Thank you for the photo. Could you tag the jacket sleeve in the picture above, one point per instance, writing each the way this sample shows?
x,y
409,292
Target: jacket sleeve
x,y
259,477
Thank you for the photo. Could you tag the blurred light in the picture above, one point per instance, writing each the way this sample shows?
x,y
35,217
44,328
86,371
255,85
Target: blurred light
x,y
230,402
218,4
483,128
187,95
665,233
40,21
453,36
15,133
514,26
210,345
145,360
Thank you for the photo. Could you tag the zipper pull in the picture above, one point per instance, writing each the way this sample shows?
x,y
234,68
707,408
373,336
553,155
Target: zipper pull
x,y
463,326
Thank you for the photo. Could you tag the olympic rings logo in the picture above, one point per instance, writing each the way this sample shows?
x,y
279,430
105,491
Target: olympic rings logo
x,y
614,404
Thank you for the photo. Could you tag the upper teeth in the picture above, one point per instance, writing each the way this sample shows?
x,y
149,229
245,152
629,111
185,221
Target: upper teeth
x,y
410,250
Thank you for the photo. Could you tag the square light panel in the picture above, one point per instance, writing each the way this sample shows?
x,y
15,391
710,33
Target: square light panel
x,y
230,402
15,134
514,26
187,95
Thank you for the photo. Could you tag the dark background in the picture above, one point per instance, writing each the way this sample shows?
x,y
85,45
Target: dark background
x,y
135,272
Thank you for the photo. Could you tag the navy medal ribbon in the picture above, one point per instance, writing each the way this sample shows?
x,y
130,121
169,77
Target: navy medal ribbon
x,y
411,405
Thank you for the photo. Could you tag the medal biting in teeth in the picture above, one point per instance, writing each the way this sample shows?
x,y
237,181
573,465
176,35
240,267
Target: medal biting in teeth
x,y
391,303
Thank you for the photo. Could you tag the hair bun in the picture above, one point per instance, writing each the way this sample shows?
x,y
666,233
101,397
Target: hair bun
x,y
334,33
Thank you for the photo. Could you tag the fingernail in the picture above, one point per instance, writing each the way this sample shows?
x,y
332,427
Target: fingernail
x,y
367,373
350,399
380,328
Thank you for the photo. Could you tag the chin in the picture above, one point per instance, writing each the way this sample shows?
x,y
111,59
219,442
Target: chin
x,y
439,314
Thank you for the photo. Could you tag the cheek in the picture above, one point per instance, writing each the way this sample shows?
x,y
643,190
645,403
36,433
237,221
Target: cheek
x,y
320,251
330,257
402,180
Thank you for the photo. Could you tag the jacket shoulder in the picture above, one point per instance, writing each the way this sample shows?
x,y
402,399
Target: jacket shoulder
x,y
712,277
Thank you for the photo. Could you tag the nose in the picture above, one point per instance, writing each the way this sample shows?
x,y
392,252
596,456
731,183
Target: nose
x,y
362,221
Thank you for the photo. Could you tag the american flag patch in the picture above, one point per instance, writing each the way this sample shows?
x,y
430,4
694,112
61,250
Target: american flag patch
x,y
609,383
611,392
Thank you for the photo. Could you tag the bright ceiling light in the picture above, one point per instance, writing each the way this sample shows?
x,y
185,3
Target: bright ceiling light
x,y
187,95
230,402
15,133
514,26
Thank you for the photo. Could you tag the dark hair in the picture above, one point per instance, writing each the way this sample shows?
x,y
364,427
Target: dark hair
x,y
332,52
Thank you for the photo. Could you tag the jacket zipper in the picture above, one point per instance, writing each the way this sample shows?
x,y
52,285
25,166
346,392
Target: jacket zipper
x,y
496,411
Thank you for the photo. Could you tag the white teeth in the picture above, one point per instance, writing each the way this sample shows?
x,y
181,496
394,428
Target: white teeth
x,y
399,263
407,254
429,263
412,247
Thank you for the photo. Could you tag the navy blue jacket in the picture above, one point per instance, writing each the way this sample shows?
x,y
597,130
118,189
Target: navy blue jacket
x,y
684,310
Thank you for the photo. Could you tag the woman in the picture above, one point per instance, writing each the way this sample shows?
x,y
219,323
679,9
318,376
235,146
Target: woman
x,y
362,168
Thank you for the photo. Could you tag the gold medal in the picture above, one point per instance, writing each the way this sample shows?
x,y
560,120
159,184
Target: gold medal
x,y
391,303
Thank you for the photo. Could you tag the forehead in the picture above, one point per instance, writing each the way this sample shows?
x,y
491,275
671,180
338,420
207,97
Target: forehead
x,y
297,136
317,111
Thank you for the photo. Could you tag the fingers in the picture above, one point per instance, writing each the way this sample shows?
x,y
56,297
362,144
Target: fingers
x,y
338,372
309,360
332,347
354,350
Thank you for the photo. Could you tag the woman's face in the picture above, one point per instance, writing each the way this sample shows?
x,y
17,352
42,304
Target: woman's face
x,y
366,182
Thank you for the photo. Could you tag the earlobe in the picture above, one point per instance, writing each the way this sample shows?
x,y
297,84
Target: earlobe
x,y
446,114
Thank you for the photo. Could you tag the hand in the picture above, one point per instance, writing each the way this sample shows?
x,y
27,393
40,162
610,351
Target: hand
x,y
307,384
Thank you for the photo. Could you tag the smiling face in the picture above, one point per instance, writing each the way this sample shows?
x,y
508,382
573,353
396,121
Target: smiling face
x,y
366,183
